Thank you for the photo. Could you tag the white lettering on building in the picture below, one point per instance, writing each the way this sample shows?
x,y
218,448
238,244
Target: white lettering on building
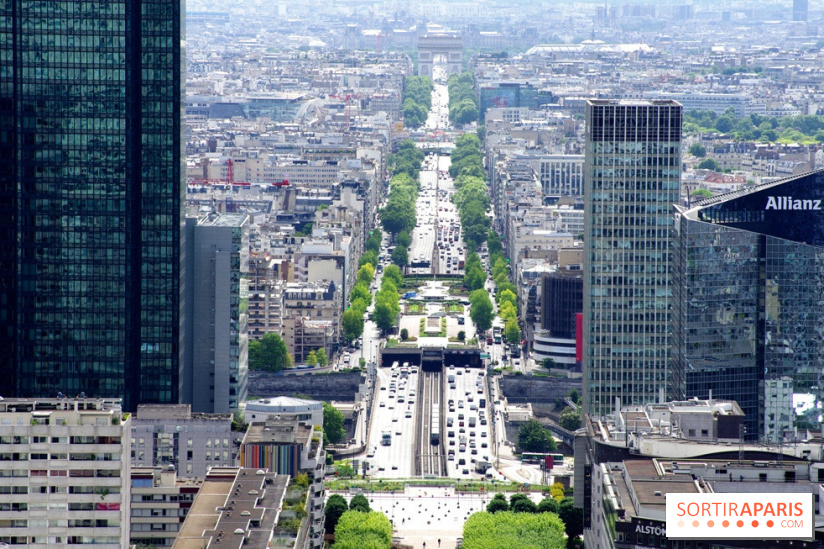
x,y
649,529
790,203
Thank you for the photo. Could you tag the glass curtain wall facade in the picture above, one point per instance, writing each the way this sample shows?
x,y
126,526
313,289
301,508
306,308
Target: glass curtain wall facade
x,y
748,320
632,167
91,191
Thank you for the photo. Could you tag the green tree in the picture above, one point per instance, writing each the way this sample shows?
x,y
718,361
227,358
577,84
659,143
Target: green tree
x,y
573,518
359,503
365,274
481,311
333,430
312,358
361,291
393,273
508,530
512,332
335,507
548,363
701,193
269,354
570,419
574,396
370,257
493,242
524,506
373,243
403,239
400,256
461,335
709,164
723,124
532,437
697,149
345,470
352,324
323,360
384,316
497,503
363,530
548,505
404,334
474,278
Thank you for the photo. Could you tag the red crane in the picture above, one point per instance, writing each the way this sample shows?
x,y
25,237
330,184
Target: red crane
x,y
230,178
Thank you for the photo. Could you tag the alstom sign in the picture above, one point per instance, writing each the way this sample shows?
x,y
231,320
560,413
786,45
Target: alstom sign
x,y
786,203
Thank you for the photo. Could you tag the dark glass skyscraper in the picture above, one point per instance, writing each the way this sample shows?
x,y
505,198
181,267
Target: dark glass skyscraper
x,y
633,178
90,198
748,304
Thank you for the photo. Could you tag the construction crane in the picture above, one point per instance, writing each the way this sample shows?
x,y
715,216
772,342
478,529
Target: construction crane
x,y
348,98
230,179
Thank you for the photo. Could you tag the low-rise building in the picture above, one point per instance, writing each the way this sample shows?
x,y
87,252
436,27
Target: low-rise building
x,y
170,434
235,507
286,445
160,502
305,411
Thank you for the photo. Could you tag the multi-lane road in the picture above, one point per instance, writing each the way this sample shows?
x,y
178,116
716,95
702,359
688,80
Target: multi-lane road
x,y
410,404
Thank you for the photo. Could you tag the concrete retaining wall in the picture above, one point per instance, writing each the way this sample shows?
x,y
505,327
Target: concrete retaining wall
x,y
341,387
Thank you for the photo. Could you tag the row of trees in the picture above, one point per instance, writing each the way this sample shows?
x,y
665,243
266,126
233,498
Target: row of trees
x,y
387,300
471,198
480,310
505,292
407,160
417,100
804,128
571,518
474,273
361,297
336,506
355,525
463,107
505,530
466,158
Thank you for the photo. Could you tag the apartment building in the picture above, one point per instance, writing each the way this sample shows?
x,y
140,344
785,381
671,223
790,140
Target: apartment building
x,y
160,502
64,465
170,434
286,445
311,313
235,507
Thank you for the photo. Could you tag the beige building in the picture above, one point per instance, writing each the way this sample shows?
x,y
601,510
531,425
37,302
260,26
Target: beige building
x,y
160,502
65,467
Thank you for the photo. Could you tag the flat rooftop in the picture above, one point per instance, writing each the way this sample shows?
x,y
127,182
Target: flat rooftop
x,y
235,508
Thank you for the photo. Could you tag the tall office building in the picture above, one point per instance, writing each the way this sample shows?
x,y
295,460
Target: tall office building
x,y
90,199
632,174
217,301
799,10
748,276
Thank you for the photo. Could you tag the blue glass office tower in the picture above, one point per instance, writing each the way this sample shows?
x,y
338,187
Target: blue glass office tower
x,y
748,303
633,178
90,198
